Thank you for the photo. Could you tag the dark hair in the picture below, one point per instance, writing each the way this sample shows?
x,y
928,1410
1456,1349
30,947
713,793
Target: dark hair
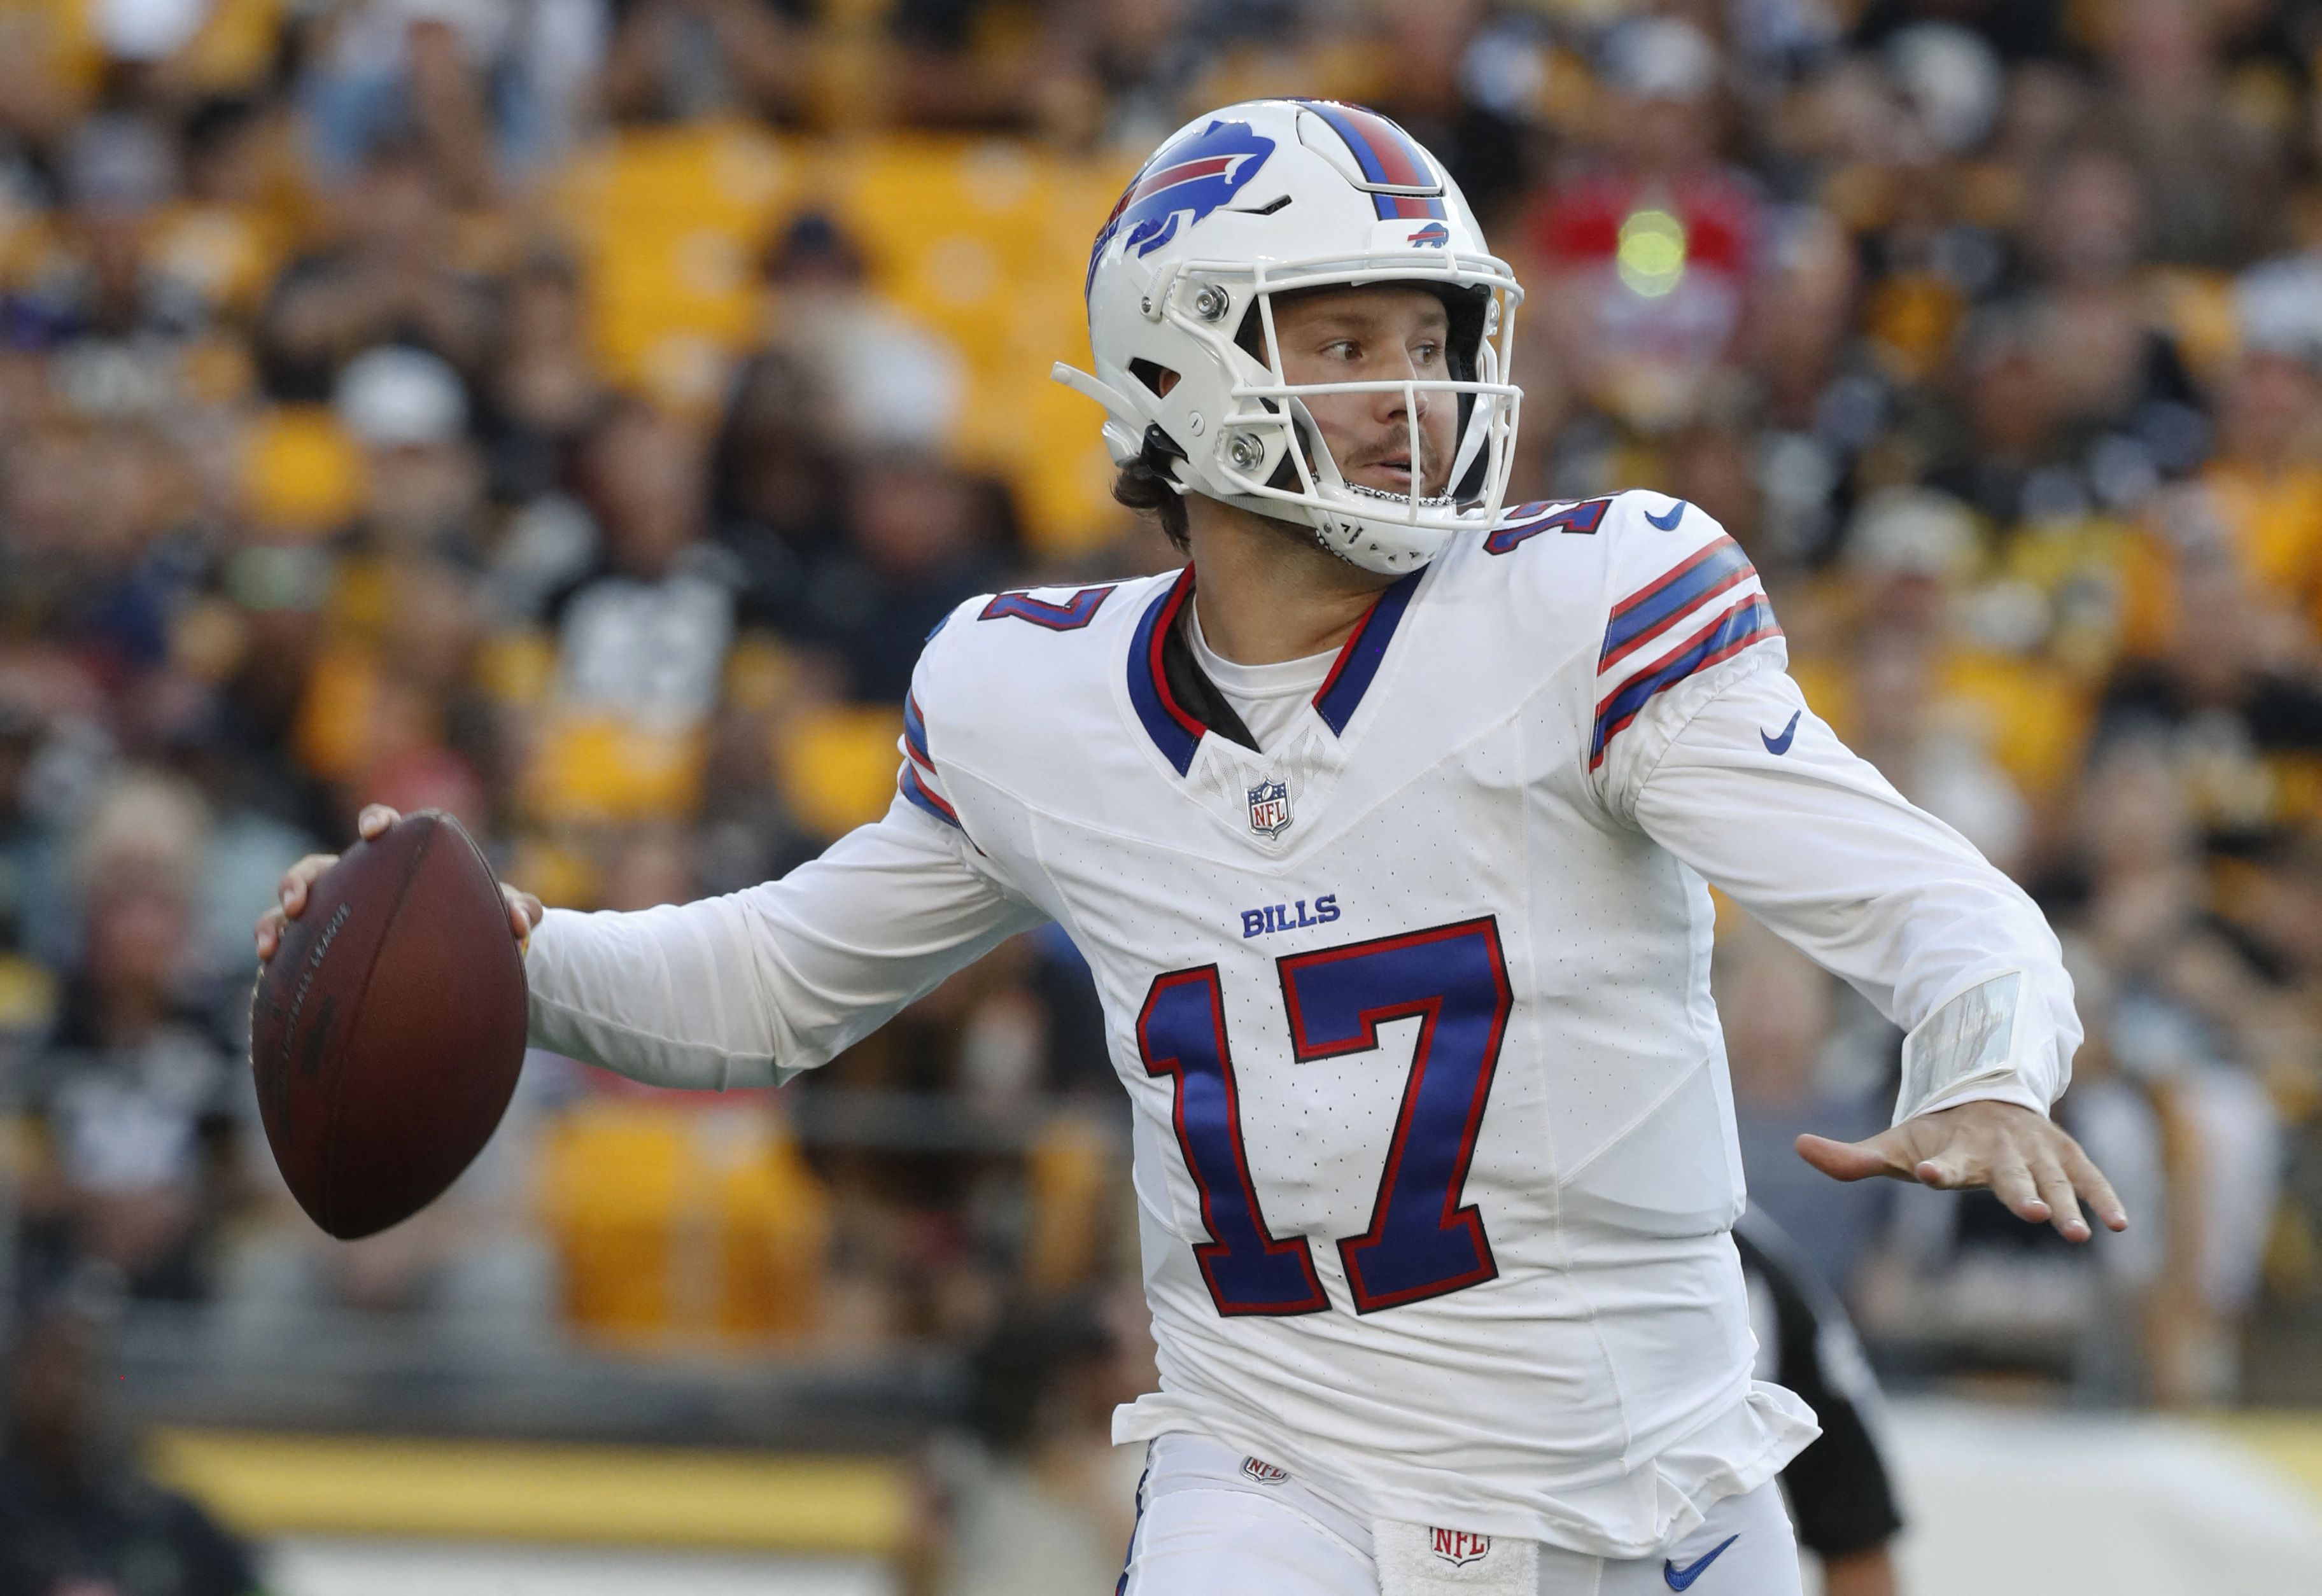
x,y
1145,487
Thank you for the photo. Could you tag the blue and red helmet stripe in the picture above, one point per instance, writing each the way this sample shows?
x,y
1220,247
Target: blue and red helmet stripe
x,y
1385,154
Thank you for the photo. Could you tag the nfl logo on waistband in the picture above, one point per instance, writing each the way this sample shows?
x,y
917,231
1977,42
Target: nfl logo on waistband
x,y
1457,1547
1269,808
1265,1474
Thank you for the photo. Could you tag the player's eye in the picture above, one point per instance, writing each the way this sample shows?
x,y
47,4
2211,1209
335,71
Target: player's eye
x,y
1343,349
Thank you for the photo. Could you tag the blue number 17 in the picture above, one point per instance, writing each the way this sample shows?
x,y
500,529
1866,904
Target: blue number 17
x,y
1422,1242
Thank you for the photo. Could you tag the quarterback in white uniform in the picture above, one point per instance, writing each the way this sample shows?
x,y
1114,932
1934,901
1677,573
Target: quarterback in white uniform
x,y
1386,838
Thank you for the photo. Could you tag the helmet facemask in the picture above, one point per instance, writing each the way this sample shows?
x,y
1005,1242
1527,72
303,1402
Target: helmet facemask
x,y
1264,199
1268,454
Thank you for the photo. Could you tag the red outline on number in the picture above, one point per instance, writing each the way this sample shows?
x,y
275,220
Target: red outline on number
x,y
1019,605
1365,1040
1582,515
1174,1069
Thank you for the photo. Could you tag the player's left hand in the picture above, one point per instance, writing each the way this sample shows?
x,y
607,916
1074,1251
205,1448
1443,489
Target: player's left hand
x,y
2026,1158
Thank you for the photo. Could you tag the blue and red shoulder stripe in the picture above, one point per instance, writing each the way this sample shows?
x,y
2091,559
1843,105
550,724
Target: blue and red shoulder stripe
x,y
1700,613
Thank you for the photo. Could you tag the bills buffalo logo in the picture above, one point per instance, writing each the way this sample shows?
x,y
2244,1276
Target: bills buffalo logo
x,y
1183,184
1269,808
1265,1474
1433,235
1457,1547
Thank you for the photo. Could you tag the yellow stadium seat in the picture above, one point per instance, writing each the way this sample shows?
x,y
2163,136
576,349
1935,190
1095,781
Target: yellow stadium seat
x,y
2036,715
670,224
682,1223
1071,1168
598,769
28,995
837,766
338,713
235,49
300,471
516,668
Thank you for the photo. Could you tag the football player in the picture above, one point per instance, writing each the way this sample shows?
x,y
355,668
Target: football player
x,y
1385,825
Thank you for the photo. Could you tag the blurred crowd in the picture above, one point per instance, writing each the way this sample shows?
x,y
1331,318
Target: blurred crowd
x,y
572,414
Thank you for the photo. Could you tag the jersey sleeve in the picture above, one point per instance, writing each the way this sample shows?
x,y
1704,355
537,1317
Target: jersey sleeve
x,y
750,989
1761,797
1686,614
918,780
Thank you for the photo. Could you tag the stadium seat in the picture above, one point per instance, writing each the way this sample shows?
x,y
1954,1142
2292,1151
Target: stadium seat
x,y
837,766
682,1223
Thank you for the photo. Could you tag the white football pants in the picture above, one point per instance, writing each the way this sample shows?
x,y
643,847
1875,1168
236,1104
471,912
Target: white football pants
x,y
1209,1525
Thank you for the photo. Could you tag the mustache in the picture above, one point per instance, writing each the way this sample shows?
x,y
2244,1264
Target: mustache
x,y
1395,449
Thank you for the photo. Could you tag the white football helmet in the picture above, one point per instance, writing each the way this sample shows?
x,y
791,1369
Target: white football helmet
x,y
1267,197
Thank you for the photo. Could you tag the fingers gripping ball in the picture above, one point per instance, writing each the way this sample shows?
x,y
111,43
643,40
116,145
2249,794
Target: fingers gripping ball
x,y
389,1029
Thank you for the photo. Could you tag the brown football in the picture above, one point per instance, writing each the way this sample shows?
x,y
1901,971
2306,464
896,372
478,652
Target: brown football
x,y
388,1030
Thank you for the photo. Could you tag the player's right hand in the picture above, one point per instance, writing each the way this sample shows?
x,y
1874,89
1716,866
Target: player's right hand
x,y
524,909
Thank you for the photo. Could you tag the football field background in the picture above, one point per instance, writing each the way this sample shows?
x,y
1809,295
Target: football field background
x,y
2003,1502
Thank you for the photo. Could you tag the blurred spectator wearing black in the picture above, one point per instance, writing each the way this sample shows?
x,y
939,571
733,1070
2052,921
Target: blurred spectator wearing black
x,y
131,1089
645,635
76,1517
1037,1500
390,280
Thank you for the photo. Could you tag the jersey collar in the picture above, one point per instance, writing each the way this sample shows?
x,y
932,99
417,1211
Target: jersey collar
x,y
1178,702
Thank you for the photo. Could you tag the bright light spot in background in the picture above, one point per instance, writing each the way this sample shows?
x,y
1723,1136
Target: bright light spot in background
x,y
1651,258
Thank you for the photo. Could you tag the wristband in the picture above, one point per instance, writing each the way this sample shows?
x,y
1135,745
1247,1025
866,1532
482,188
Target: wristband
x,y
1970,1039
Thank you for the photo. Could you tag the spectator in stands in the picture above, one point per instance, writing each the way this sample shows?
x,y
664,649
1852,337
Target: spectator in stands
x,y
389,279
676,60
1041,1500
408,411
644,637
422,72
2212,181
922,538
541,389
888,381
77,1517
1792,1073
1649,248
132,1088
779,486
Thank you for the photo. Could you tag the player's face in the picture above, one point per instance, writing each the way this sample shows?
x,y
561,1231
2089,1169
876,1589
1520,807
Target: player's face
x,y
1383,332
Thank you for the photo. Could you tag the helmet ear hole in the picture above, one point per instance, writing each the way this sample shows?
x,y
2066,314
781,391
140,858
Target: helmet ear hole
x,y
1466,308
1250,336
1154,376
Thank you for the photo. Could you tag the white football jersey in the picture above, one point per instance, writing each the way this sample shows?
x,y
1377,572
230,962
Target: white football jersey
x,y
1435,1157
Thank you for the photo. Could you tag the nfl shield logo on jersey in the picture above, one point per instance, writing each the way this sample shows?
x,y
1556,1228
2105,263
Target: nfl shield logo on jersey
x,y
1269,808
1263,1472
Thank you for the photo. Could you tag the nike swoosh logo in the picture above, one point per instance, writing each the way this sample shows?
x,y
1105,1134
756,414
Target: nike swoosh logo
x,y
1667,519
1781,744
1681,1578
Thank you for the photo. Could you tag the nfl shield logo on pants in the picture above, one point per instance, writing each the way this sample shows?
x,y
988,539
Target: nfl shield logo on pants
x,y
1269,808
1457,1547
